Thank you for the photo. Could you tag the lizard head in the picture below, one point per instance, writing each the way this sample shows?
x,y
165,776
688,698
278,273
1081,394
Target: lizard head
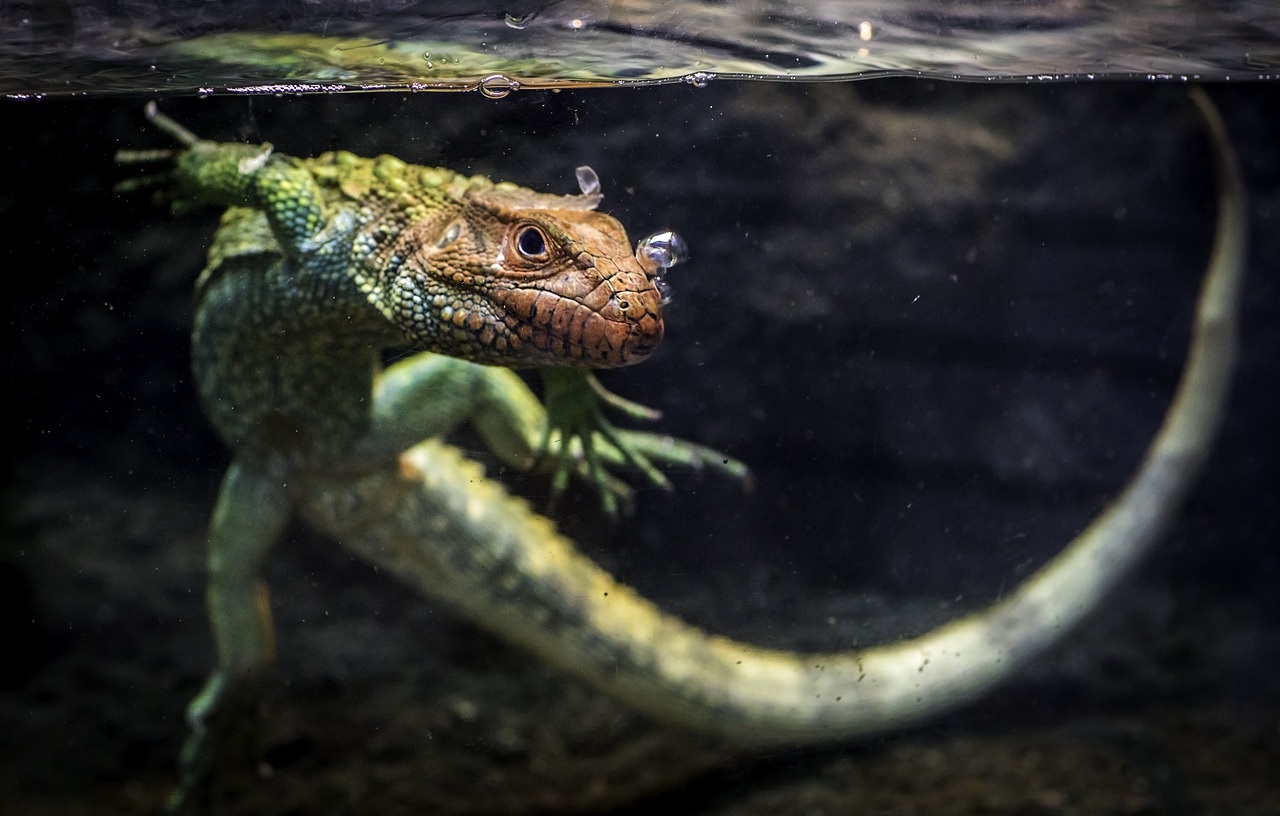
x,y
518,278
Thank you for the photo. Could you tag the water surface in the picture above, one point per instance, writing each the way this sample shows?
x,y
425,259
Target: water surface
x,y
186,47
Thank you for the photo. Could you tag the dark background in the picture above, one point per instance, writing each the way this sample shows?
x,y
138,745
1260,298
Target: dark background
x,y
940,321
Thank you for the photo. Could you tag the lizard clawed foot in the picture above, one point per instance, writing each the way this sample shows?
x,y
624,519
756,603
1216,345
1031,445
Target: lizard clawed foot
x,y
177,178
162,156
223,723
581,440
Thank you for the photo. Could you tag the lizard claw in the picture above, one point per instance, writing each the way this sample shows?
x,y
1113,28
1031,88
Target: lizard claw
x,y
163,179
223,721
582,441
185,137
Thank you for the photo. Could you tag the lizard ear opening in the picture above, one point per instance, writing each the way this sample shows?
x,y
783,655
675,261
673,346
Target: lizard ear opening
x,y
450,235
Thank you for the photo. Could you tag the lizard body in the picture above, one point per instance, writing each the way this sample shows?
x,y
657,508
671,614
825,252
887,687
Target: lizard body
x,y
319,431
318,267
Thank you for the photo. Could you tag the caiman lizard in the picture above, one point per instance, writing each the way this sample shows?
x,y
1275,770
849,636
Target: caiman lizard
x,y
322,264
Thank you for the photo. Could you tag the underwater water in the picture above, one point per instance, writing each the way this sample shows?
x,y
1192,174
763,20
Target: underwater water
x,y
940,321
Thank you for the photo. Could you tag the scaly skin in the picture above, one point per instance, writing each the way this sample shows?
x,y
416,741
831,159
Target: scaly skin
x,y
315,443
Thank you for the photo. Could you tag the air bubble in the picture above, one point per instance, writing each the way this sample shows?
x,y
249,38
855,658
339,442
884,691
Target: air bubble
x,y
698,79
661,251
519,21
588,181
496,86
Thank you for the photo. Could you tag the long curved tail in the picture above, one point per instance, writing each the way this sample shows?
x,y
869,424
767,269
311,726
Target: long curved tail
x,y
461,538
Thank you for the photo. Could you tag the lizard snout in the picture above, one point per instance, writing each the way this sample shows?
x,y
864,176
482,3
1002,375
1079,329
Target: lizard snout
x,y
632,315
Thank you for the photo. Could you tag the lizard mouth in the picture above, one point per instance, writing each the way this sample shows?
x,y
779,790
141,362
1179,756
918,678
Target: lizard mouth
x,y
618,323
595,313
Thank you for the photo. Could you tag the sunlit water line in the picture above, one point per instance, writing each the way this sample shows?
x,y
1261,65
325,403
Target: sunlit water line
x,y
101,50
499,87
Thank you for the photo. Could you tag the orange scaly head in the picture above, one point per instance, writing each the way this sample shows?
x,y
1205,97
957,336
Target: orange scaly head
x,y
512,277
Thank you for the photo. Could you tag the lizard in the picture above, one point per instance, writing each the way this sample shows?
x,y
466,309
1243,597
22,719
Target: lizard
x,y
321,263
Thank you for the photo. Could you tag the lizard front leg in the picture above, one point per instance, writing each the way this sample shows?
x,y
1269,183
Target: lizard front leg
x,y
428,395
250,514
237,175
580,436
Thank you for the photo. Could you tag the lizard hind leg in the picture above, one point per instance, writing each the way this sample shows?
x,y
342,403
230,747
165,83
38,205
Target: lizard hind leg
x,y
250,514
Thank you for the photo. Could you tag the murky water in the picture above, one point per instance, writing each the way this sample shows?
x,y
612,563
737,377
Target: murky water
x,y
99,47
940,321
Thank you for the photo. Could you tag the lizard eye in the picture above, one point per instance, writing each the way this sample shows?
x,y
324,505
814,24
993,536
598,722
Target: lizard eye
x,y
532,244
